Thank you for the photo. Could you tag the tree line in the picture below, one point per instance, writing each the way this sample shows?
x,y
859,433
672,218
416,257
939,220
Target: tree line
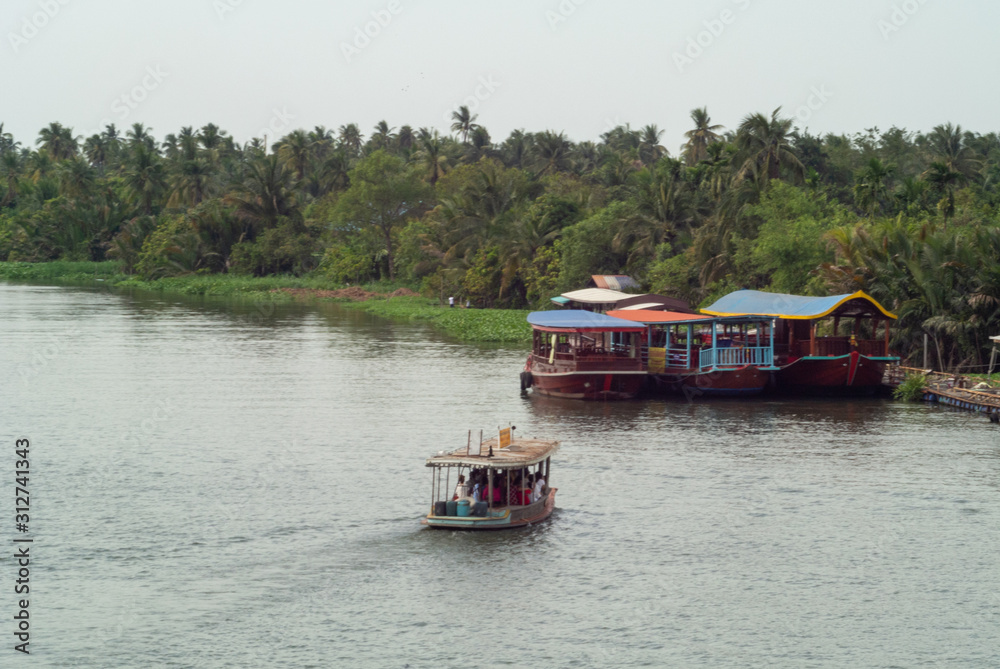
x,y
909,217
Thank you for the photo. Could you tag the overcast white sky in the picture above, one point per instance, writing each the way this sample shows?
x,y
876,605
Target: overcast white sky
x,y
580,66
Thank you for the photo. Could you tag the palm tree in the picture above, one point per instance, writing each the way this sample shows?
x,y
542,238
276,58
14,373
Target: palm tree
x,y
211,137
405,138
433,156
10,171
944,180
7,142
96,149
265,195
650,150
717,163
700,137
481,146
170,146
76,177
871,188
191,182
140,134
949,145
662,209
293,149
621,138
911,194
464,122
58,141
144,177
187,143
515,149
321,142
41,165
383,136
552,152
765,143
351,139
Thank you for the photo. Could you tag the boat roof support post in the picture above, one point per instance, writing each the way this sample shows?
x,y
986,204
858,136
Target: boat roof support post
x,y
690,335
715,330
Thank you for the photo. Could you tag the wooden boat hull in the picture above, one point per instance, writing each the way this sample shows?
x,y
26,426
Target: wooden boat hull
x,y
721,382
505,519
852,374
589,385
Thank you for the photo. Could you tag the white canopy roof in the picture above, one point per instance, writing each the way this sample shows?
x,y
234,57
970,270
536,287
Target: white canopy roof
x,y
645,305
595,296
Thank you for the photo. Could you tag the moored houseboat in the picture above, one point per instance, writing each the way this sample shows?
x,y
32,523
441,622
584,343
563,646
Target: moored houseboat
x,y
814,353
705,355
584,355
506,483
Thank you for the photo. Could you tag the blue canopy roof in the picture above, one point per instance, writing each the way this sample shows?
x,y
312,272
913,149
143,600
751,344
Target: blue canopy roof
x,y
578,319
755,302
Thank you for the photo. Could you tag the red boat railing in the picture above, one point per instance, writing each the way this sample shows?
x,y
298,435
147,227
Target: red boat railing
x,y
838,346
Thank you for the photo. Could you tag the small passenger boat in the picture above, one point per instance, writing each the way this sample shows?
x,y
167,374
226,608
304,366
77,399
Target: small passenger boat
x,y
815,355
500,499
582,355
705,355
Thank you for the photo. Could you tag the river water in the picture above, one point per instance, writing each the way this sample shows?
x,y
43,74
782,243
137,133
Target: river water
x,y
227,485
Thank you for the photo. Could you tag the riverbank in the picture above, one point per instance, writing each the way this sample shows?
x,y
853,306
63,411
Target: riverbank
x,y
392,301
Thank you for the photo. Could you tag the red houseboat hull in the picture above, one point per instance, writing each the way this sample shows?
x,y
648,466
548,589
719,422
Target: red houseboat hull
x,y
851,374
611,385
738,382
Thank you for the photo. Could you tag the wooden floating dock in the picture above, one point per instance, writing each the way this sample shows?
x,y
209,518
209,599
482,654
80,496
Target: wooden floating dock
x,y
950,389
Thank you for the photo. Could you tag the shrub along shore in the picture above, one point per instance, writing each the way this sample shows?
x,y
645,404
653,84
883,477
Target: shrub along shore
x,y
386,300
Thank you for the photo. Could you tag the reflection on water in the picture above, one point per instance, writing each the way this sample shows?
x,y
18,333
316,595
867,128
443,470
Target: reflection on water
x,y
229,484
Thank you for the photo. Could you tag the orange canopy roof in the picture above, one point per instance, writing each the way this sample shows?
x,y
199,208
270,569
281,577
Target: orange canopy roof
x,y
649,316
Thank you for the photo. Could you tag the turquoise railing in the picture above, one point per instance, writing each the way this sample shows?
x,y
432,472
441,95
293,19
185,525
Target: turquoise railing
x,y
737,357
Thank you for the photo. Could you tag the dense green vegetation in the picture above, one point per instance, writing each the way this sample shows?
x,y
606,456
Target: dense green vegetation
x,y
487,325
911,389
909,217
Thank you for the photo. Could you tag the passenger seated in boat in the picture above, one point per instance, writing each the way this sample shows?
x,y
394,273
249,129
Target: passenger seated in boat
x,y
461,490
539,489
514,494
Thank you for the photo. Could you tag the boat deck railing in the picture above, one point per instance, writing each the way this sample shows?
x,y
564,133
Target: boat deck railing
x,y
660,359
837,346
596,359
736,357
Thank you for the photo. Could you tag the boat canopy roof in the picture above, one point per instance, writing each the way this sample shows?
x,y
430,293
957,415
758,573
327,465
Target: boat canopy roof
x,y
655,302
520,453
655,317
796,307
579,320
613,281
595,296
